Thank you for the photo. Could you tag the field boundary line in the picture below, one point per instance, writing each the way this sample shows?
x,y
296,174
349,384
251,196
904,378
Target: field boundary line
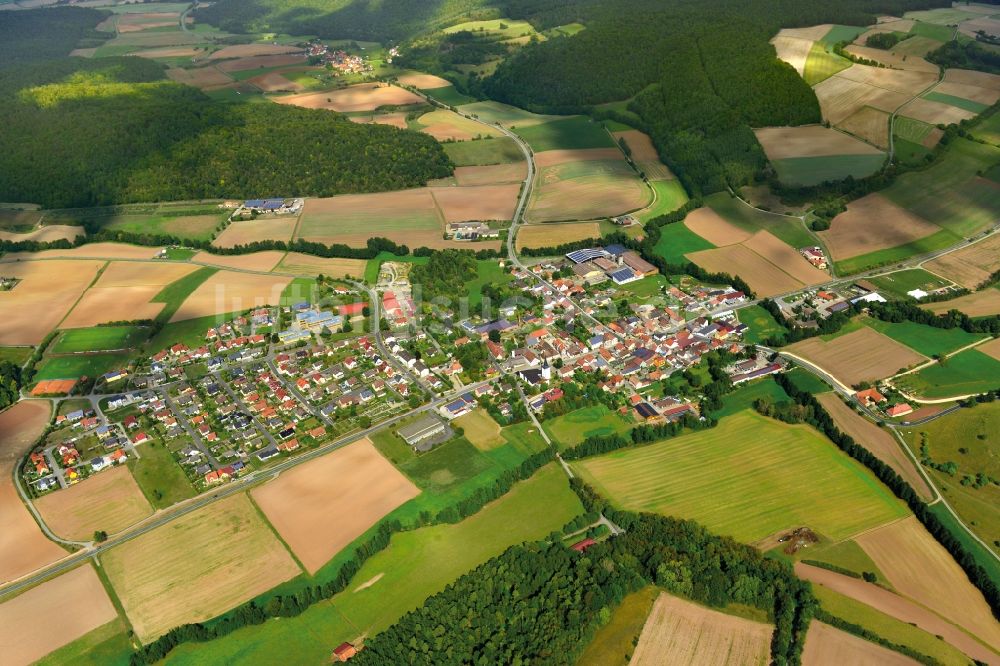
x,y
263,516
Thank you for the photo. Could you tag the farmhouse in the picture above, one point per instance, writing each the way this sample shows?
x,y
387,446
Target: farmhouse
x,y
869,397
418,432
902,409
344,651
470,231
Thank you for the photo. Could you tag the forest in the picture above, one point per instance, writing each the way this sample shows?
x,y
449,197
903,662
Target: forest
x,y
62,27
966,56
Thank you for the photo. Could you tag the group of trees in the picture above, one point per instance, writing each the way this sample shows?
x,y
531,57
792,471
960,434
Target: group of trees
x,y
966,56
883,40
446,274
10,383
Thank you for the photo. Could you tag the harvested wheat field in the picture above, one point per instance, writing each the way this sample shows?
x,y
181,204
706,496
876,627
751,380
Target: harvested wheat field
x,y
332,219
809,141
920,568
168,52
251,231
991,348
989,25
889,59
307,264
133,273
764,278
579,185
46,292
201,77
909,83
879,442
260,62
228,291
445,125
828,646
813,33
978,304
422,81
679,632
972,78
793,50
251,50
301,502
895,606
275,82
515,172
360,97
870,124
873,223
45,234
88,251
935,113
714,228
971,265
482,202
101,305
55,613
108,501
860,356
784,256
840,98
987,96
645,155
548,235
200,565
255,261
391,119
23,548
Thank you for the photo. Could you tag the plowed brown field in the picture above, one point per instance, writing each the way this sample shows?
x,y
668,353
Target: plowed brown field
x,y
935,113
679,633
828,646
249,231
274,82
300,502
860,356
971,265
840,98
873,223
200,77
764,278
482,202
714,228
870,124
548,235
45,234
360,97
307,264
255,261
251,50
809,141
46,292
788,259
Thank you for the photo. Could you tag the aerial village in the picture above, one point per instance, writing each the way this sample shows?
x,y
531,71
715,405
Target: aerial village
x,y
278,381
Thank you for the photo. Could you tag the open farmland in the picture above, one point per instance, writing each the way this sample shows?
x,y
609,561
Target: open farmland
x,y
860,356
828,646
255,261
197,566
90,250
583,185
479,202
935,112
840,98
46,234
550,235
46,292
483,152
920,568
812,154
97,338
125,292
386,586
509,116
307,264
927,340
229,291
300,502
360,97
53,614
396,119
576,426
445,125
878,441
794,44
971,265
682,632
24,548
200,77
714,228
274,82
422,81
353,218
748,477
572,133
259,62
852,234
895,606
966,373
515,172
245,232
780,254
481,430
892,59
250,50
109,501
870,124
645,155
979,304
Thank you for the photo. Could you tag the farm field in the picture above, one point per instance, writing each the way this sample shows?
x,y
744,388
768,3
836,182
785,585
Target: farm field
x,y
583,185
969,439
969,266
761,322
255,261
644,154
978,304
788,229
90,250
888,627
167,223
748,495
821,63
392,119
812,154
897,284
446,125
548,235
572,133
385,587
300,502
895,606
53,614
869,124
199,77
714,228
514,172
76,366
676,241
46,234
196,567
99,338
229,291
935,112
920,568
966,373
480,429
108,644
619,635
681,632
160,478
926,340
24,547
484,152
307,264
504,114
793,45
670,195
826,646
109,501
250,231
46,292
481,202
360,97
422,81
860,356
574,427
251,50
878,441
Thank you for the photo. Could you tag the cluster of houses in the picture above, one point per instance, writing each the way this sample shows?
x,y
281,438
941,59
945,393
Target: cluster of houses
x,y
600,264
815,256
876,401
338,59
251,208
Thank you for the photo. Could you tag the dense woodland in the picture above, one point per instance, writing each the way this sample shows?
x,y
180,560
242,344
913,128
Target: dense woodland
x,y
34,36
445,275
966,56
10,383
